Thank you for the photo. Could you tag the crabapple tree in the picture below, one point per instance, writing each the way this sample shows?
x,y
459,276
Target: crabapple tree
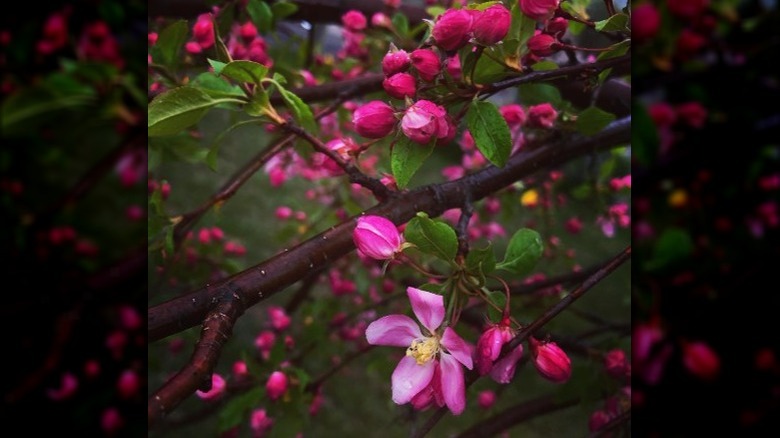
x,y
330,182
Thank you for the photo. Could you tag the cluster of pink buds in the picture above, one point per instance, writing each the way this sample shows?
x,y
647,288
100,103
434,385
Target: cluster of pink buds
x,y
55,33
425,121
354,23
202,34
398,83
245,42
97,43
456,27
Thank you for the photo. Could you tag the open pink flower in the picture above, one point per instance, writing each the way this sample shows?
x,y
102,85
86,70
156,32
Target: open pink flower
x,y
431,368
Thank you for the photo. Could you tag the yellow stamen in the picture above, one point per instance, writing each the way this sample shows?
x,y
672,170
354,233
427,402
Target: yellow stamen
x,y
423,350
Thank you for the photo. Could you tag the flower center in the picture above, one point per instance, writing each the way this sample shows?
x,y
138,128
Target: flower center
x,y
423,350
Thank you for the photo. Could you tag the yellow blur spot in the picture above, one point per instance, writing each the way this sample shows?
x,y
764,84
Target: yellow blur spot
x,y
423,350
678,198
530,198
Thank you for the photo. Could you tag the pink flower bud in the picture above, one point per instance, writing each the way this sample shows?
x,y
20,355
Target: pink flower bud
x,y
492,25
542,116
248,31
395,61
543,45
400,85
203,31
452,65
598,420
283,212
486,399
513,114
504,370
92,368
128,384
276,385
550,360
615,363
424,121
68,386
490,343
689,43
218,386
377,237
240,369
260,423
354,20
427,63
111,421
574,225
204,236
645,22
381,20
264,342
279,318
217,233
692,113
452,29
130,318
375,119
539,10
152,38
701,360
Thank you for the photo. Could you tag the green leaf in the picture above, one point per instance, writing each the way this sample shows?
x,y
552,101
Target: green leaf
x,y
406,158
481,262
488,71
178,108
283,9
523,252
237,409
482,6
261,15
544,65
436,238
490,131
33,105
534,94
616,50
673,246
217,65
401,23
499,299
216,86
301,111
613,23
521,29
435,11
593,120
245,71
169,42
644,136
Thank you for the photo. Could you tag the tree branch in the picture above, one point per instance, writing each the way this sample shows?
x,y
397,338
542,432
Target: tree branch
x,y
517,414
265,279
217,329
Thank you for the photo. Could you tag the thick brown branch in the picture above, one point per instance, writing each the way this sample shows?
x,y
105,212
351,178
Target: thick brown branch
x,y
217,329
264,280
516,414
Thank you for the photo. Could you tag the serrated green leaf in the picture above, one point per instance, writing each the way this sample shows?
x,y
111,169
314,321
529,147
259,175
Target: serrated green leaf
x,y
176,109
490,131
436,238
488,71
216,86
523,252
245,71
613,23
406,158
217,65
169,42
300,110
616,50
261,15
498,298
481,262
544,65
593,120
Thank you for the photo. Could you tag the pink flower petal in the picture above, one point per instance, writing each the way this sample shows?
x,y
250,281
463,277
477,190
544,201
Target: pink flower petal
x,y
452,384
504,370
393,331
428,307
458,348
409,378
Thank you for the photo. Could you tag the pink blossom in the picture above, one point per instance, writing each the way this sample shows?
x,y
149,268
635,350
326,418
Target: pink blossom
x,y
283,212
542,116
598,420
486,399
539,10
240,369
662,113
276,385
248,31
701,360
616,364
557,27
395,61
542,45
218,387
134,212
354,20
279,319
425,121
400,85
128,384
645,22
692,113
431,369
490,343
375,119
264,342
452,29
260,423
550,360
452,65
513,114
68,386
492,25
377,237
130,318
111,421
427,63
